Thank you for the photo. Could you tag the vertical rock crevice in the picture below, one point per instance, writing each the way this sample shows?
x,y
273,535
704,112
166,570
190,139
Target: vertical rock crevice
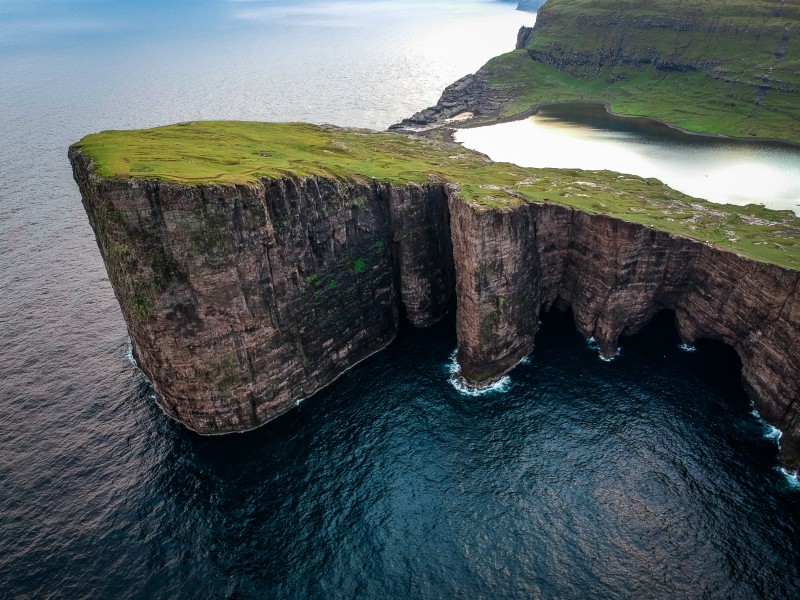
x,y
420,223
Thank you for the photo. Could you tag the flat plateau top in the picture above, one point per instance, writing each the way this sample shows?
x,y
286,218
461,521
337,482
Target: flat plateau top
x,y
236,152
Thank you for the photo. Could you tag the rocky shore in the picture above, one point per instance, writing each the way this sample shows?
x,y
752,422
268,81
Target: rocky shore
x,y
470,94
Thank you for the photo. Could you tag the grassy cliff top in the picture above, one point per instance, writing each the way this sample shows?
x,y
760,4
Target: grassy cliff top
x,y
232,152
717,66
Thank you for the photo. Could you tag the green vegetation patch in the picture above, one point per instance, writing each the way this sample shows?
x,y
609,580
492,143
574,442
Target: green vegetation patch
x,y
239,153
359,266
719,66
243,152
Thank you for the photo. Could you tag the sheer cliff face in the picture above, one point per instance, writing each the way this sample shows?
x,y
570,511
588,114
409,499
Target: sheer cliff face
x,y
498,291
242,300
615,276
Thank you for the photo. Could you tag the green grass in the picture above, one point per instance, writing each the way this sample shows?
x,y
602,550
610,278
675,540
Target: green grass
x,y
231,152
745,82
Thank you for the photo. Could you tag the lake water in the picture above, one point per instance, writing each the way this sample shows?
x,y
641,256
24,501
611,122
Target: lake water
x,y
648,476
588,137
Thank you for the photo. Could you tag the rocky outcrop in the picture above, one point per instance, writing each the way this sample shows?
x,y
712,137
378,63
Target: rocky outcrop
x,y
241,300
615,276
471,93
523,37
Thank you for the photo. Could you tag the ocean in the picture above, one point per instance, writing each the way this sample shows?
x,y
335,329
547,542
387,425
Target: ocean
x,y
649,476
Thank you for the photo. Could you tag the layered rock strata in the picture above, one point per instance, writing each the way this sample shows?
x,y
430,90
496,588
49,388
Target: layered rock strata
x,y
241,300
615,276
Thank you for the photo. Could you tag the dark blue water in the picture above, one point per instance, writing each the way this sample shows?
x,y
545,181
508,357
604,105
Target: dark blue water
x,y
645,477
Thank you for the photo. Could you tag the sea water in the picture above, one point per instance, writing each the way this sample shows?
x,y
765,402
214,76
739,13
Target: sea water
x,y
647,477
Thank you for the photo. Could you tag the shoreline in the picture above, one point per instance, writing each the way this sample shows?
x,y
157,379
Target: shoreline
x,y
449,130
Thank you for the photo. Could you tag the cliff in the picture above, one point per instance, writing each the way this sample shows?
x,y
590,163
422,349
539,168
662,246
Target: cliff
x,y
243,299
721,66
250,276
615,276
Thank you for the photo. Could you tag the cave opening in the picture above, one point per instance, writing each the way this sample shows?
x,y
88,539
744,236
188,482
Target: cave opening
x,y
716,360
658,339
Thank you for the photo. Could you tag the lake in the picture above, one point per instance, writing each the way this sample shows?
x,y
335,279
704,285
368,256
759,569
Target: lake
x,y
587,136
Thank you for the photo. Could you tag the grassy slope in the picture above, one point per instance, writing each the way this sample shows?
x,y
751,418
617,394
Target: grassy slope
x,y
747,81
230,152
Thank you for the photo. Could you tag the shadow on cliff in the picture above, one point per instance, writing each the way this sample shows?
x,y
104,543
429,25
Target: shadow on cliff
x,y
658,339
657,347
716,360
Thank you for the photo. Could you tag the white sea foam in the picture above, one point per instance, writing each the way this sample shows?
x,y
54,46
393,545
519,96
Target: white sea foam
x,y
687,348
501,385
457,381
593,345
791,477
770,431
612,357
774,433
129,354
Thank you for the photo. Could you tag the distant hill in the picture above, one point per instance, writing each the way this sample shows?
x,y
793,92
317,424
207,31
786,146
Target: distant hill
x,y
720,66
716,66
530,5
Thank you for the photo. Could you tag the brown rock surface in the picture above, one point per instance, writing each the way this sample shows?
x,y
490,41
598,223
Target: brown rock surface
x,y
241,300
472,93
615,276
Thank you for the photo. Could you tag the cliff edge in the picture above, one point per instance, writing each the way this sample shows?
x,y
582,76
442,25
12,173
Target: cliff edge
x,y
256,262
